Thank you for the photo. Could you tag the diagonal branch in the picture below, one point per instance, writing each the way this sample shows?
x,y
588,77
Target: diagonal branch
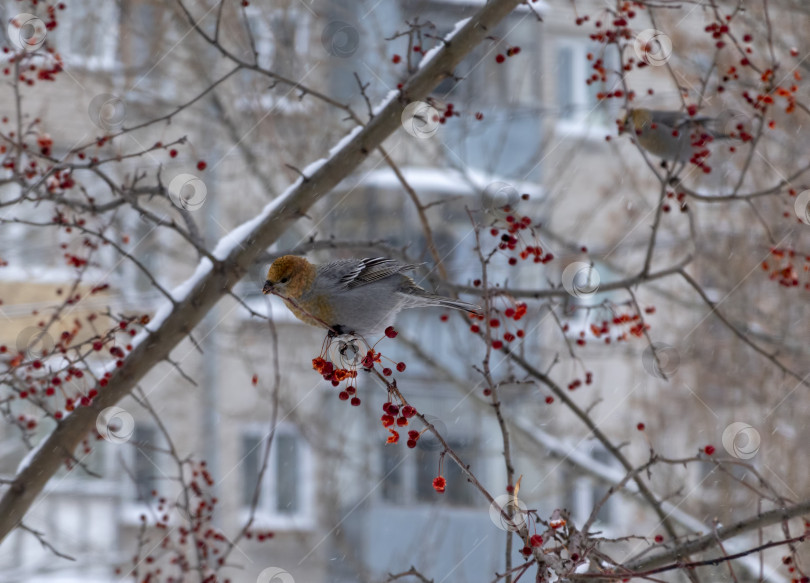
x,y
234,256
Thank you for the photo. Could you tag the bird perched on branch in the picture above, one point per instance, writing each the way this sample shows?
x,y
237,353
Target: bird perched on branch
x,y
350,296
675,136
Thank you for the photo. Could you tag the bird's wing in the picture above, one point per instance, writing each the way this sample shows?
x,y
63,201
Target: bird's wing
x,y
364,271
678,119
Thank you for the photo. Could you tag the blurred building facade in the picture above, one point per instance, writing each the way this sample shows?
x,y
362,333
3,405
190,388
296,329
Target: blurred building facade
x,y
343,505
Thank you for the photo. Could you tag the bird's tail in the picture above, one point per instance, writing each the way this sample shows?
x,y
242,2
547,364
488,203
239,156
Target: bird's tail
x,y
455,304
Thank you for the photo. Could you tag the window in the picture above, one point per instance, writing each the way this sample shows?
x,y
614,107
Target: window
x,y
409,478
145,466
87,35
145,39
281,41
286,492
575,97
582,494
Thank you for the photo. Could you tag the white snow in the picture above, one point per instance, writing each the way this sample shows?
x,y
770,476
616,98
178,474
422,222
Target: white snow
x,y
238,235
344,141
392,95
181,291
312,168
428,56
442,181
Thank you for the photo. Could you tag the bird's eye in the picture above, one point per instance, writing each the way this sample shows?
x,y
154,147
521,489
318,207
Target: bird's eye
x,y
284,279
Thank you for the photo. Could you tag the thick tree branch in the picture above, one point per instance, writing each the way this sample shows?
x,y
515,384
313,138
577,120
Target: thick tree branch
x,y
215,279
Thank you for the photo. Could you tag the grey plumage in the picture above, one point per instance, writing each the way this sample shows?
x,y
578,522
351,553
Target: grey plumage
x,y
368,293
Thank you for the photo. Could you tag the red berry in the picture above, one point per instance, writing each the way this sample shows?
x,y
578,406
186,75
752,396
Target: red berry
x,y
709,449
549,399
408,411
499,58
497,344
536,540
387,372
355,402
343,396
173,153
659,539
396,59
640,427
411,443
201,165
390,332
401,367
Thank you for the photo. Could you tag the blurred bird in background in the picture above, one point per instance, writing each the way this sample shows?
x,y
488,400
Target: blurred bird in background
x,y
350,296
675,136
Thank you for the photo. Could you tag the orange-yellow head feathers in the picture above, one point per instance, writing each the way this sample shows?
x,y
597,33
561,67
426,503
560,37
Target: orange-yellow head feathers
x,y
638,119
290,276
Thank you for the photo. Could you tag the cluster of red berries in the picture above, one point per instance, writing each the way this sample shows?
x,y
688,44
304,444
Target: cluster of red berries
x,y
680,199
394,414
783,269
619,29
576,383
535,541
439,484
195,535
337,375
637,327
445,113
38,381
516,233
788,561
514,313
510,52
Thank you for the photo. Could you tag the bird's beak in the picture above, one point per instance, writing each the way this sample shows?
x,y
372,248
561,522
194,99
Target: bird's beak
x,y
268,287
